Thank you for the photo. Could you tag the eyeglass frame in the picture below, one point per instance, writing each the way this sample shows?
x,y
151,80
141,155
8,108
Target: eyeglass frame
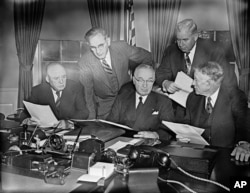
x,y
141,81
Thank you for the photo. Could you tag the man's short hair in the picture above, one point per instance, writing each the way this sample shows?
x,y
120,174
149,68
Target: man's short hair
x,y
212,69
94,31
187,25
144,66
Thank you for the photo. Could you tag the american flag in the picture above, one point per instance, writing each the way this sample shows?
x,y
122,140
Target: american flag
x,y
129,23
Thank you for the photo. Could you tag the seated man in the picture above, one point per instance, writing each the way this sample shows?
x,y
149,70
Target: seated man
x,y
64,96
142,109
220,110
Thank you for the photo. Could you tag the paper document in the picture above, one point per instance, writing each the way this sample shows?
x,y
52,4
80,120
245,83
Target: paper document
x,y
121,144
185,83
187,131
42,114
103,121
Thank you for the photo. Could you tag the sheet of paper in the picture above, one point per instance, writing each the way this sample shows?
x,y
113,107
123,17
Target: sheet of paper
x,y
121,144
104,121
184,81
187,131
180,97
42,114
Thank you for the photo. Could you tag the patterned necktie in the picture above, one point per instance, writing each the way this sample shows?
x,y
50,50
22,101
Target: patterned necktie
x,y
106,67
209,107
58,100
139,106
188,63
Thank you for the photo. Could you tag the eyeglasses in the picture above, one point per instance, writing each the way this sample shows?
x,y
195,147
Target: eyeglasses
x,y
141,81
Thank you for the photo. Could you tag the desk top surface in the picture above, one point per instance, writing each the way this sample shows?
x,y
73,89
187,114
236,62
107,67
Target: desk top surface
x,y
224,169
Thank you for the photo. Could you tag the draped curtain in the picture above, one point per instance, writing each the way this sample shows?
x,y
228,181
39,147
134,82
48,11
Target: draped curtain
x,y
162,19
28,17
106,14
239,29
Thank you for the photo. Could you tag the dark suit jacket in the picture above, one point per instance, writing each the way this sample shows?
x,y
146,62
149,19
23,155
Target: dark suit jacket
x,y
72,106
173,61
228,121
155,109
99,93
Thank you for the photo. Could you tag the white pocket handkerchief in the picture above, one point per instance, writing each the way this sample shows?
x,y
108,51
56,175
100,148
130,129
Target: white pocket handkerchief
x,y
155,113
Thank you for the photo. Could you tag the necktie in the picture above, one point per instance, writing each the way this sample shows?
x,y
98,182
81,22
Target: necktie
x,y
106,67
209,107
188,63
139,106
58,100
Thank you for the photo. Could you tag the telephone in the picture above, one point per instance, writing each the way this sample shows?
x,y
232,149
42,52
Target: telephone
x,y
143,156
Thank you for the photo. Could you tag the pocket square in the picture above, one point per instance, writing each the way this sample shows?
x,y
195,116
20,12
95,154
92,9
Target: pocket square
x,y
155,113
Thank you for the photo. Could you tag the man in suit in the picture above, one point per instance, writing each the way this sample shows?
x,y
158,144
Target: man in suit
x,y
185,54
142,109
104,69
64,96
218,109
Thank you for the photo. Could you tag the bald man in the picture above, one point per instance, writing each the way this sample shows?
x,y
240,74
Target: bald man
x,y
64,96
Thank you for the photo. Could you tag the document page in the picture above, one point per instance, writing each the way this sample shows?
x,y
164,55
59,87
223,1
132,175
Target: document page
x,y
193,134
42,114
185,83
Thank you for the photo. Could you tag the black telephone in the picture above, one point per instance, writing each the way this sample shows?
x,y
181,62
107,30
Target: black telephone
x,y
147,156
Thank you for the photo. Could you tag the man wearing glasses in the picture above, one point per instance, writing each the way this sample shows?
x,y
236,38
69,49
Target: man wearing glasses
x,y
189,51
104,69
142,109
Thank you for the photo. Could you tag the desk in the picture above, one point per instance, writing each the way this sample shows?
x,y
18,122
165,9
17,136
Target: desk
x,y
224,169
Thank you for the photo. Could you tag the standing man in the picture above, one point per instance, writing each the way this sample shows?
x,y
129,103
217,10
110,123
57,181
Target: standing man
x,y
220,110
64,96
184,55
142,109
104,69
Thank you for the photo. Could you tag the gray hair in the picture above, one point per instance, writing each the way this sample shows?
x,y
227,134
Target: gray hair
x,y
144,66
212,69
187,25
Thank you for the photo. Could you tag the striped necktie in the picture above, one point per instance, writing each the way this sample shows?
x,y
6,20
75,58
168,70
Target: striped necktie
x,y
209,106
58,100
188,63
106,66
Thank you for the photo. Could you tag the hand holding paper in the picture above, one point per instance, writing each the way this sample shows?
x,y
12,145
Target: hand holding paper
x,y
41,114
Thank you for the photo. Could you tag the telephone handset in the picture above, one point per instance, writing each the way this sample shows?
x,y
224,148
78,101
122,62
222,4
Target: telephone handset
x,y
148,156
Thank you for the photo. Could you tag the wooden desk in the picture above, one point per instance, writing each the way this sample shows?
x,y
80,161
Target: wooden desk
x,y
225,167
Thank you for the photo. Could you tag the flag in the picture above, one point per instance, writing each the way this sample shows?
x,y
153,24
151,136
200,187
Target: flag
x,y
129,23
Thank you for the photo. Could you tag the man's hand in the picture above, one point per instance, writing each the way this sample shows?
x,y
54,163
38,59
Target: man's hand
x,y
30,121
242,152
147,134
170,86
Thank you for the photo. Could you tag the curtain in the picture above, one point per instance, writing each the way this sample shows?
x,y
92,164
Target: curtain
x,y
162,19
239,30
106,14
28,16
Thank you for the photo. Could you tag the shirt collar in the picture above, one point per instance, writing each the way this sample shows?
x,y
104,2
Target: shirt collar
x,y
214,97
191,53
137,98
